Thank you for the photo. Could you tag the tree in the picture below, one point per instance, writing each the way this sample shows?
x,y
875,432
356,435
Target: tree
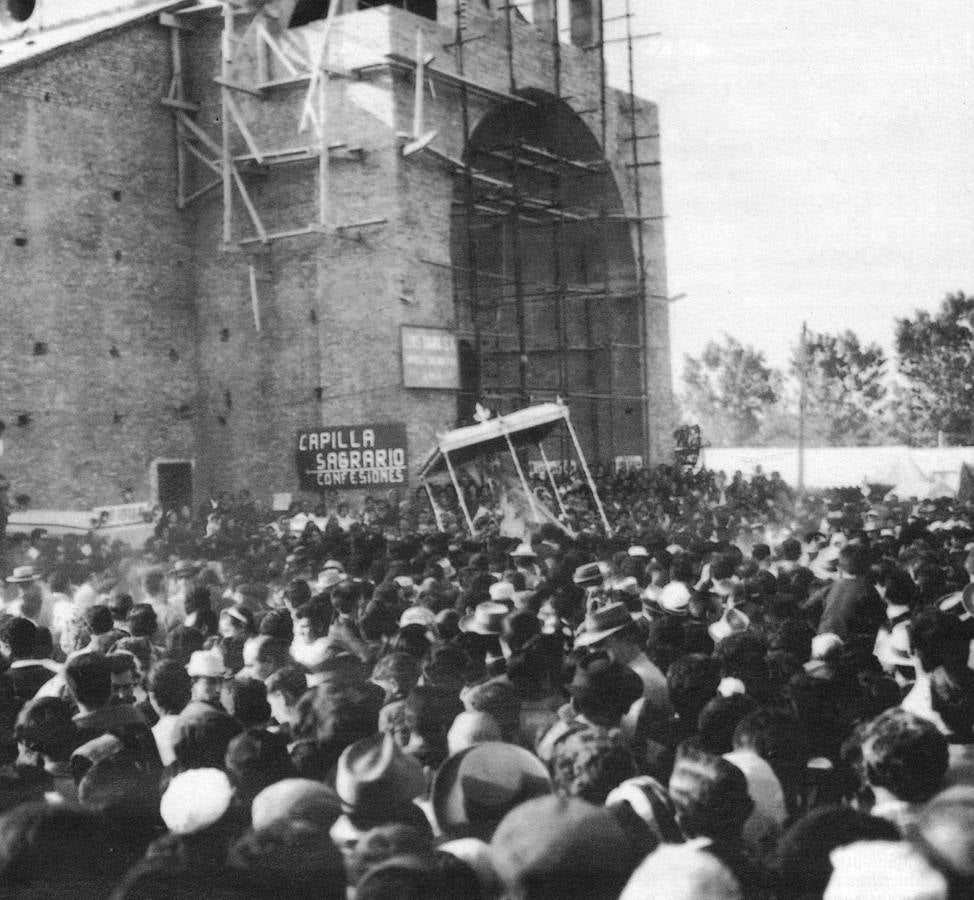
x,y
936,362
730,390
846,389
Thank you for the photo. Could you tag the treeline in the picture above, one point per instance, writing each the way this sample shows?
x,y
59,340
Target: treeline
x,y
854,394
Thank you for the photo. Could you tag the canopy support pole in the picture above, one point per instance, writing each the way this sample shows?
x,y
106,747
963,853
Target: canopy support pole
x,y
433,506
520,474
551,479
588,474
456,487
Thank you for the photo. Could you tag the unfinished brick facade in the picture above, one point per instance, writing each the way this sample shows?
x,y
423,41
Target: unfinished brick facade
x,y
165,341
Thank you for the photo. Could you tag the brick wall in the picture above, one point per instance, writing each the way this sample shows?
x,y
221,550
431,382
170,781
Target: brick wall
x,y
102,281
193,376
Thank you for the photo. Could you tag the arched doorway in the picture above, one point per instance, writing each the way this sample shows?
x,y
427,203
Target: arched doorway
x,y
546,281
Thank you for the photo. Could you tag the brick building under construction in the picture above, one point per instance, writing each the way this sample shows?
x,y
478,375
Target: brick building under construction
x,y
227,224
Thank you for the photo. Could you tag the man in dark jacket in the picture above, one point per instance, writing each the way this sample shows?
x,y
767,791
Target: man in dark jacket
x,y
851,606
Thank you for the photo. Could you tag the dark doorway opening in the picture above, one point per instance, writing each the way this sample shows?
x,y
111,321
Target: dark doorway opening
x,y
175,482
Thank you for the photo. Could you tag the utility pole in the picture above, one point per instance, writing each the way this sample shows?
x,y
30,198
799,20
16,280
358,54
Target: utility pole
x,y
802,404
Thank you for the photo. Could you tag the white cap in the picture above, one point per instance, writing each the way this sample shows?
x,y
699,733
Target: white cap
x,y
195,800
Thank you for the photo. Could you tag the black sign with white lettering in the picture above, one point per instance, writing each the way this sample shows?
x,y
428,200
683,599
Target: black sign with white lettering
x,y
352,456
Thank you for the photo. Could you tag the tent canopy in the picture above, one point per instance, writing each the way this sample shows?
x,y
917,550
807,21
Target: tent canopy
x,y
524,426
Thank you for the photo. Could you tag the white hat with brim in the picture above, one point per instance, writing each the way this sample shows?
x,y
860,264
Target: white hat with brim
x,y
487,618
638,551
501,591
417,615
22,575
674,599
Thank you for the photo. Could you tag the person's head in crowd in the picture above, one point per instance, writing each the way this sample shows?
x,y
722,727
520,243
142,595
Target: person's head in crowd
x,y
683,872
557,848
904,758
945,835
284,688
18,638
405,877
429,713
376,784
246,701
154,583
853,561
142,621
952,698
45,731
140,648
312,803
346,599
126,678
291,860
182,642
198,811
202,735
209,673
709,794
262,657
120,605
311,620
170,687
590,762
277,624
236,623
518,628
377,845
297,593
937,641
666,640
603,690
89,680
31,601
397,674
498,699
692,682
255,760
805,848
892,869
779,739
822,706
56,850
200,613
719,719
470,728
335,715
791,636
414,640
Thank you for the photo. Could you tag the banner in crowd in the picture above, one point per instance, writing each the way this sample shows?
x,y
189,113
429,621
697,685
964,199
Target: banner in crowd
x,y
352,456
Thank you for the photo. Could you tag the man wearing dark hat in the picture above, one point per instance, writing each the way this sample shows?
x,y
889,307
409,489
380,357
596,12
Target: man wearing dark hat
x,y
602,692
611,628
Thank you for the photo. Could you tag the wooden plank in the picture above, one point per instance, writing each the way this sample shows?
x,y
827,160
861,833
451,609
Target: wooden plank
x,y
180,104
236,86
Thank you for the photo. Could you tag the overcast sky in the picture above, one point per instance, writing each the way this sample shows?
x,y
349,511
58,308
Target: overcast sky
x,y
818,162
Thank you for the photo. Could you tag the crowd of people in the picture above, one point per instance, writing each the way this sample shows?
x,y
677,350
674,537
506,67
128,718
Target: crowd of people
x,y
734,692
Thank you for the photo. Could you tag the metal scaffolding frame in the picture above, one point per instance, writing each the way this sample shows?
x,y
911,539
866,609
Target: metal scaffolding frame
x,y
489,198
517,187
281,62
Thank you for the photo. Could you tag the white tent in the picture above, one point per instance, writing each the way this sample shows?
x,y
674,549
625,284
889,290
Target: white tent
x,y
912,482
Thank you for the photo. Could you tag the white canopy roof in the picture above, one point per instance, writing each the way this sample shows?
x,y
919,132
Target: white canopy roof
x,y
524,426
